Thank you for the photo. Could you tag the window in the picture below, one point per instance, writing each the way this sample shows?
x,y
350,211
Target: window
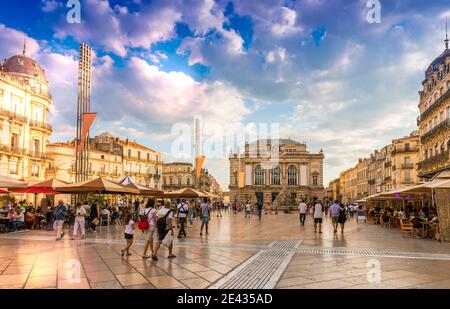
x,y
407,160
407,176
35,170
179,181
102,157
148,157
259,175
13,168
170,181
292,175
15,141
116,171
139,155
129,153
37,146
276,176
164,181
407,147
315,180
188,182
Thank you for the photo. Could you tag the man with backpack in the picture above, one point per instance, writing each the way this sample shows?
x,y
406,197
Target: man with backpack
x,y
205,208
164,225
60,215
147,225
182,211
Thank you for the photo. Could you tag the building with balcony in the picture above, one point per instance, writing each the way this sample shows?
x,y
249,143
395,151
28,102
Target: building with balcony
x,y
24,104
334,190
109,157
267,166
404,158
349,184
178,175
434,119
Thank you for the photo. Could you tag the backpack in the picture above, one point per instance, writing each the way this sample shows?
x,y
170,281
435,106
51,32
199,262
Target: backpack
x,y
183,209
161,223
143,224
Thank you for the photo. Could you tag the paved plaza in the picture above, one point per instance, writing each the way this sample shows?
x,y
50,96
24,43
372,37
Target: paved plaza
x,y
238,253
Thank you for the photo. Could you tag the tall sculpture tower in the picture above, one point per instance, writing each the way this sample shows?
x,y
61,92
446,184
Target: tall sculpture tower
x,y
84,106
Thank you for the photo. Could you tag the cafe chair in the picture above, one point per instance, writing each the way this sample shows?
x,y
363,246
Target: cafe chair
x,y
406,226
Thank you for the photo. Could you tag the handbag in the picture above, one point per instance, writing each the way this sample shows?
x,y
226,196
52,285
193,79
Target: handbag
x,y
95,221
168,239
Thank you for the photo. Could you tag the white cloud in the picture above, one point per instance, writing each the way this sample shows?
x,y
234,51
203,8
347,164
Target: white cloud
x,y
50,5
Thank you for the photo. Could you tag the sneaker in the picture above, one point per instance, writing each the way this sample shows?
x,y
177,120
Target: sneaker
x,y
58,238
154,258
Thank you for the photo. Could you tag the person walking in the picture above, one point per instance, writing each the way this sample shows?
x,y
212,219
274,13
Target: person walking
x,y
182,212
335,210
248,209
164,225
129,230
219,210
79,223
136,206
351,210
191,212
303,210
342,218
60,214
259,205
318,215
205,209
150,214
93,215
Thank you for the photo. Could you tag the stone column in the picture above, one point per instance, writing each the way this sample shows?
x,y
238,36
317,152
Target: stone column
x,y
442,200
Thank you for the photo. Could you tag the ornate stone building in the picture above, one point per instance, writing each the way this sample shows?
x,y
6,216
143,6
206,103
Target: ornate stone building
x,y
334,190
24,103
267,166
434,119
110,157
178,175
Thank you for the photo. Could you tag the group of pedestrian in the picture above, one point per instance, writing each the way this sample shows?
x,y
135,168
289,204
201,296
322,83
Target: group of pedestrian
x,y
337,213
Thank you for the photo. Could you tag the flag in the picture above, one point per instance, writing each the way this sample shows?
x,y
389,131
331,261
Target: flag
x,y
199,164
86,122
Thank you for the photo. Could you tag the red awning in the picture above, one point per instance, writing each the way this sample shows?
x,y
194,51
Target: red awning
x,y
4,191
36,190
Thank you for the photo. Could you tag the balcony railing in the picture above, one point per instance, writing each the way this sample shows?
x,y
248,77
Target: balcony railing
x,y
404,150
407,166
442,126
41,125
435,105
371,181
13,150
388,178
13,116
37,154
442,157
387,164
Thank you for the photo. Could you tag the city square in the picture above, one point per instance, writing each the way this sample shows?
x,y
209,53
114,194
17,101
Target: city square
x,y
224,145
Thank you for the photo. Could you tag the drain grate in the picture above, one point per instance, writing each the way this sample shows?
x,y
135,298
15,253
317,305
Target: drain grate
x,y
261,271
371,252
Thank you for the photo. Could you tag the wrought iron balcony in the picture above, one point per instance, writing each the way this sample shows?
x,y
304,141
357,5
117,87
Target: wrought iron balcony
x,y
407,166
439,158
435,105
404,150
442,126
37,154
40,125
13,116
388,178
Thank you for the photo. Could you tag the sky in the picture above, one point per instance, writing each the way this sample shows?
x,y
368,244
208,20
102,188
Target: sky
x,y
317,70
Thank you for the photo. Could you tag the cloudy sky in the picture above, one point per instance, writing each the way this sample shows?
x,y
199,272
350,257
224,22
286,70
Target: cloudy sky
x,y
317,68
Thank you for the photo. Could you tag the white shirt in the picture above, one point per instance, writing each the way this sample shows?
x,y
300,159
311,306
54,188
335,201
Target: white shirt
x,y
141,209
183,209
105,212
303,208
248,207
318,211
163,211
80,212
150,213
129,227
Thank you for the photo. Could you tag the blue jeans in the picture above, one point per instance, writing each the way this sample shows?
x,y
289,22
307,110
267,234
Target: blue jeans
x,y
302,219
191,218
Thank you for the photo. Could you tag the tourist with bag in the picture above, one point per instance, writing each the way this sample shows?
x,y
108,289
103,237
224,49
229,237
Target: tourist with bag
x,y
149,217
94,215
164,226
342,219
60,214
205,208
182,212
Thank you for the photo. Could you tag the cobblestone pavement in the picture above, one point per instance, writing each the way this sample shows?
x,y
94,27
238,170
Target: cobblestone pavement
x,y
238,253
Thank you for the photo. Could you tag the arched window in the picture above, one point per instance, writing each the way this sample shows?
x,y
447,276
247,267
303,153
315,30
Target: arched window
x,y
292,175
188,182
276,175
259,176
315,180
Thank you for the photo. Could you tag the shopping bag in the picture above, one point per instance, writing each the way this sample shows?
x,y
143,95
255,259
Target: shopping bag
x,y
168,239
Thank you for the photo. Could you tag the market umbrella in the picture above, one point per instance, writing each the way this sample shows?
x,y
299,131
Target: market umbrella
x,y
186,192
144,190
8,182
98,185
35,190
52,184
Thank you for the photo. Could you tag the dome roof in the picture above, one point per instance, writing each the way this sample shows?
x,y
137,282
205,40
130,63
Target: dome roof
x,y
22,64
434,66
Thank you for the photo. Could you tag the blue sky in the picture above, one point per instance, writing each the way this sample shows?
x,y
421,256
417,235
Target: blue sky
x,y
317,68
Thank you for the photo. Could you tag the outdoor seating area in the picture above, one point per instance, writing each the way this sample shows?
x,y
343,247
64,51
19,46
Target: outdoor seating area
x,y
413,210
114,201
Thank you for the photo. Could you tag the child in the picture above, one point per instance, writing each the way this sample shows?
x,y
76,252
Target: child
x,y
129,227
